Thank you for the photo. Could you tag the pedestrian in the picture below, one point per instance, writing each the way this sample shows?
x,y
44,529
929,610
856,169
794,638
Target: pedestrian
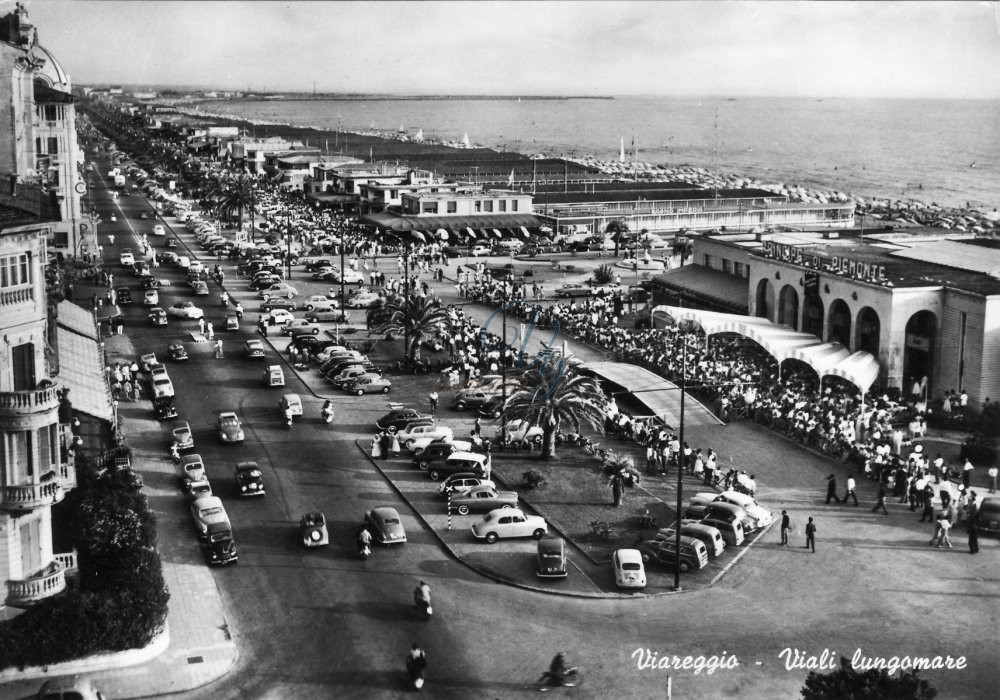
x,y
831,489
992,473
786,525
239,311
394,446
477,428
616,489
201,325
218,349
376,446
881,501
945,527
967,473
433,398
111,239
973,539
928,513
210,330
810,536
849,493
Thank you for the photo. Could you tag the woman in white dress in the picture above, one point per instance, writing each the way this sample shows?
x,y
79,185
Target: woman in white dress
x,y
395,445
377,446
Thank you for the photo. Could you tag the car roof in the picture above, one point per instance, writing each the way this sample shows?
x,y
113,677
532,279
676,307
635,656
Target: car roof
x,y
384,512
181,425
228,414
208,502
497,512
628,555
247,466
289,398
192,459
466,457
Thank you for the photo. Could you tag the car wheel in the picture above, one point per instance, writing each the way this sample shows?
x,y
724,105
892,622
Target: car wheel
x,y
646,558
463,509
506,506
315,331
361,392
685,567
309,307
538,534
491,537
409,443
460,406
423,465
385,390
290,295
435,475
266,297
537,439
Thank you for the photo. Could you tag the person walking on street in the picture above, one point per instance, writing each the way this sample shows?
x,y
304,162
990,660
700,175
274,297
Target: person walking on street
x,y
201,325
477,428
210,330
218,349
786,525
850,490
992,473
967,473
973,539
831,489
945,527
810,536
881,501
927,516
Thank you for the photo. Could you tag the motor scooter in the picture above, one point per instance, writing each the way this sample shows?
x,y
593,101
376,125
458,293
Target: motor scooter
x,y
416,662
327,414
175,453
422,600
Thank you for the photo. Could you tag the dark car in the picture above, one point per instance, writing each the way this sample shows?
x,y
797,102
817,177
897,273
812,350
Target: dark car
x,y
551,558
316,264
163,407
987,518
491,407
533,249
311,343
249,480
176,351
123,295
150,282
272,303
263,282
398,418
385,525
438,450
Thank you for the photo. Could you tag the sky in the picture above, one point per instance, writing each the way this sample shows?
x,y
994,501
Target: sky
x,y
829,49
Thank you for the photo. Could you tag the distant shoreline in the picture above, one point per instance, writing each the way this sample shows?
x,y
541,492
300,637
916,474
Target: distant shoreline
x,y
320,97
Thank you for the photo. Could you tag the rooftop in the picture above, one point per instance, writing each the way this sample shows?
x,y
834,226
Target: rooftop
x,y
555,196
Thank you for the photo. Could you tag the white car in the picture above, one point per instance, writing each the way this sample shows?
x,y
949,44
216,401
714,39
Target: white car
x,y
480,250
162,387
509,522
196,265
151,297
279,289
299,326
185,309
158,230
510,244
126,257
518,431
318,300
183,262
628,567
409,435
363,300
279,317
350,276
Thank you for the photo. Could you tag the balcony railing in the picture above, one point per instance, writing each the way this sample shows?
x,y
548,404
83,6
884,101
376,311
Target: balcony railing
x,y
31,496
29,401
68,561
17,295
48,582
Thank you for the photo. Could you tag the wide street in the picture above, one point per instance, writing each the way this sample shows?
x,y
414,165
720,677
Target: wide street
x,y
322,623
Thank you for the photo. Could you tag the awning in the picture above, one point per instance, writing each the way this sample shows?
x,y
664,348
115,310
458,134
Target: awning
x,y
728,293
108,311
821,356
860,369
661,397
81,370
77,319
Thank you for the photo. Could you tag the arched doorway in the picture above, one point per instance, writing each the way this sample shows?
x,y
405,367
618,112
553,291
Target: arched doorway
x,y
812,316
868,329
788,307
840,323
918,349
765,300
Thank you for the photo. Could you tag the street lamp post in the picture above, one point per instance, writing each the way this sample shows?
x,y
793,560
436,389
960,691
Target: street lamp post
x,y
340,234
680,468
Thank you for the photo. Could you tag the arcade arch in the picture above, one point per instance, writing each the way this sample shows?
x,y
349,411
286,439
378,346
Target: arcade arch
x,y
839,323
867,328
765,299
788,307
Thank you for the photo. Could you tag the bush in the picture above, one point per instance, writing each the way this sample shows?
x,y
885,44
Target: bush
x,y
846,682
533,479
603,274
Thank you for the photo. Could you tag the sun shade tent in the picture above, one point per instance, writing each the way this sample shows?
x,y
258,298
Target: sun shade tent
x,y
783,343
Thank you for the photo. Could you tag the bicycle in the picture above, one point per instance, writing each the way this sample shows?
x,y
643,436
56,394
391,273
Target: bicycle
x,y
548,681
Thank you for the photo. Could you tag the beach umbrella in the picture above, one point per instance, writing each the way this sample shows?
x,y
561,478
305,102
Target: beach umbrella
x,y
442,234
419,236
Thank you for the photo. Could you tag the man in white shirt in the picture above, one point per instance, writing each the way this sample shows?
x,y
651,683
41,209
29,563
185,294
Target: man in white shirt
x,y
850,490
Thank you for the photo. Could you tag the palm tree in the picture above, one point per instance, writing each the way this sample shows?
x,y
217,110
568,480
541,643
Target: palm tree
x,y
416,318
237,197
570,400
616,228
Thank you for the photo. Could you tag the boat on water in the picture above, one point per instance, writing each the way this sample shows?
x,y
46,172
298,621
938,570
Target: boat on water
x,y
419,136
402,129
465,141
621,151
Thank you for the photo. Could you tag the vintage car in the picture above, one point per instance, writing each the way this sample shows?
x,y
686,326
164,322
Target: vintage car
x,y
551,558
760,516
694,554
254,349
460,462
628,568
158,230
192,469
171,242
150,297
176,351
186,309
482,498
157,316
206,511
277,289
126,258
296,326
181,433
232,322
149,282
274,376
461,482
312,527
573,290
363,300
368,384
385,526
229,428
409,435
123,296
503,523
147,361
162,386
432,447
399,417
249,480
163,408
273,304
199,288
198,489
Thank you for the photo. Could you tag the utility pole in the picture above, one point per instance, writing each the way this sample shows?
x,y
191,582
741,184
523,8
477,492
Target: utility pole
x,y
680,468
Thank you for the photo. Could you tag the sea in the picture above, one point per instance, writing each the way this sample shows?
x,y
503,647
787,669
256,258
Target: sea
x,y
936,151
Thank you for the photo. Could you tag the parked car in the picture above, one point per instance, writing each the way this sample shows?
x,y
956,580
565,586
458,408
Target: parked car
x,y
478,250
431,447
710,536
409,435
272,305
504,523
368,384
628,568
551,558
279,289
296,326
694,554
482,498
317,300
385,526
254,349
399,417
206,511
249,480
364,300
199,489
176,351
573,290
162,386
328,314
192,469
150,297
126,258
460,462
510,245
229,428
312,527
987,518
181,433
199,288
461,482
186,309
123,296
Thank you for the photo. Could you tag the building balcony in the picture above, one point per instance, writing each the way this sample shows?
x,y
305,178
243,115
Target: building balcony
x,y
31,496
17,295
21,403
46,583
